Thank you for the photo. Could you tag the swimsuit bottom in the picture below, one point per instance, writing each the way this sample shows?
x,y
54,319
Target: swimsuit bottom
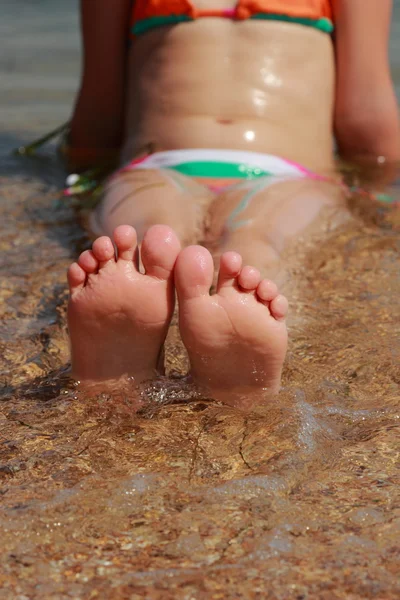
x,y
219,169
216,169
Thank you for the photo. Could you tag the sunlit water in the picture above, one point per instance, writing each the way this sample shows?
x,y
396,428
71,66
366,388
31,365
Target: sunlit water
x,y
160,492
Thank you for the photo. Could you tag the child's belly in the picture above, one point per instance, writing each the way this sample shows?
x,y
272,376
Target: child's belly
x,y
259,86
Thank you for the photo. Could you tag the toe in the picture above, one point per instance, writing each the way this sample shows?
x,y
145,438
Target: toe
x,y
193,273
103,250
229,269
160,248
267,290
76,277
249,278
279,307
88,262
126,242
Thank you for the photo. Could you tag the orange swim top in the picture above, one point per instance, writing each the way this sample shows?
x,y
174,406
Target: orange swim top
x,y
150,14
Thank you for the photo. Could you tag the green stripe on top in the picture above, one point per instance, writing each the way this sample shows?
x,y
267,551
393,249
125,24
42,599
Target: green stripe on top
x,y
144,25
153,22
219,170
323,24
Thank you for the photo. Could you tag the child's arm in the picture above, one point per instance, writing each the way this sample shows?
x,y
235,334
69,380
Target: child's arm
x,y
97,122
366,111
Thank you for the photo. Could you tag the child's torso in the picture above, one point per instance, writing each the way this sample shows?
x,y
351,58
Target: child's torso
x,y
265,86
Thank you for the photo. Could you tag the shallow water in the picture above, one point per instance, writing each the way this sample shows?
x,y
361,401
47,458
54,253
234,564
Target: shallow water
x,y
160,492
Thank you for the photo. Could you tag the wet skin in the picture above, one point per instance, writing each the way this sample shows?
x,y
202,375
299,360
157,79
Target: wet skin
x,y
118,317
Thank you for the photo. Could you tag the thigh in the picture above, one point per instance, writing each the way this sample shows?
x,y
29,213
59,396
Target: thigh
x,y
145,197
273,210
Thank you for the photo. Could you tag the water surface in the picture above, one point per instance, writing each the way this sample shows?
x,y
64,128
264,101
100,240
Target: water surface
x,y
161,492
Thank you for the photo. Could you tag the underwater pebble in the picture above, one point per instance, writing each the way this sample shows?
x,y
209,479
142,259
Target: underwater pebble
x,y
366,516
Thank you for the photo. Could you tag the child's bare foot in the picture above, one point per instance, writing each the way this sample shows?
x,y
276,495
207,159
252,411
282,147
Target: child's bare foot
x,y
237,338
117,317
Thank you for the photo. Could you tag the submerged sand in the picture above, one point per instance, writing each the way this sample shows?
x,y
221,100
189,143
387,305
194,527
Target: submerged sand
x,y
163,493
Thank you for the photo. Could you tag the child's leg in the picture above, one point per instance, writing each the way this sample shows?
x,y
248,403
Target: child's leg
x,y
118,317
259,220
236,338
146,197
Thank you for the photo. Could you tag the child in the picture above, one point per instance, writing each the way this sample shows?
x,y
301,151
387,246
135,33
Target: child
x,y
225,113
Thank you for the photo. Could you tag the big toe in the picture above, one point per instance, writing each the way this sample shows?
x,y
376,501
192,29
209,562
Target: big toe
x,y
193,272
160,248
